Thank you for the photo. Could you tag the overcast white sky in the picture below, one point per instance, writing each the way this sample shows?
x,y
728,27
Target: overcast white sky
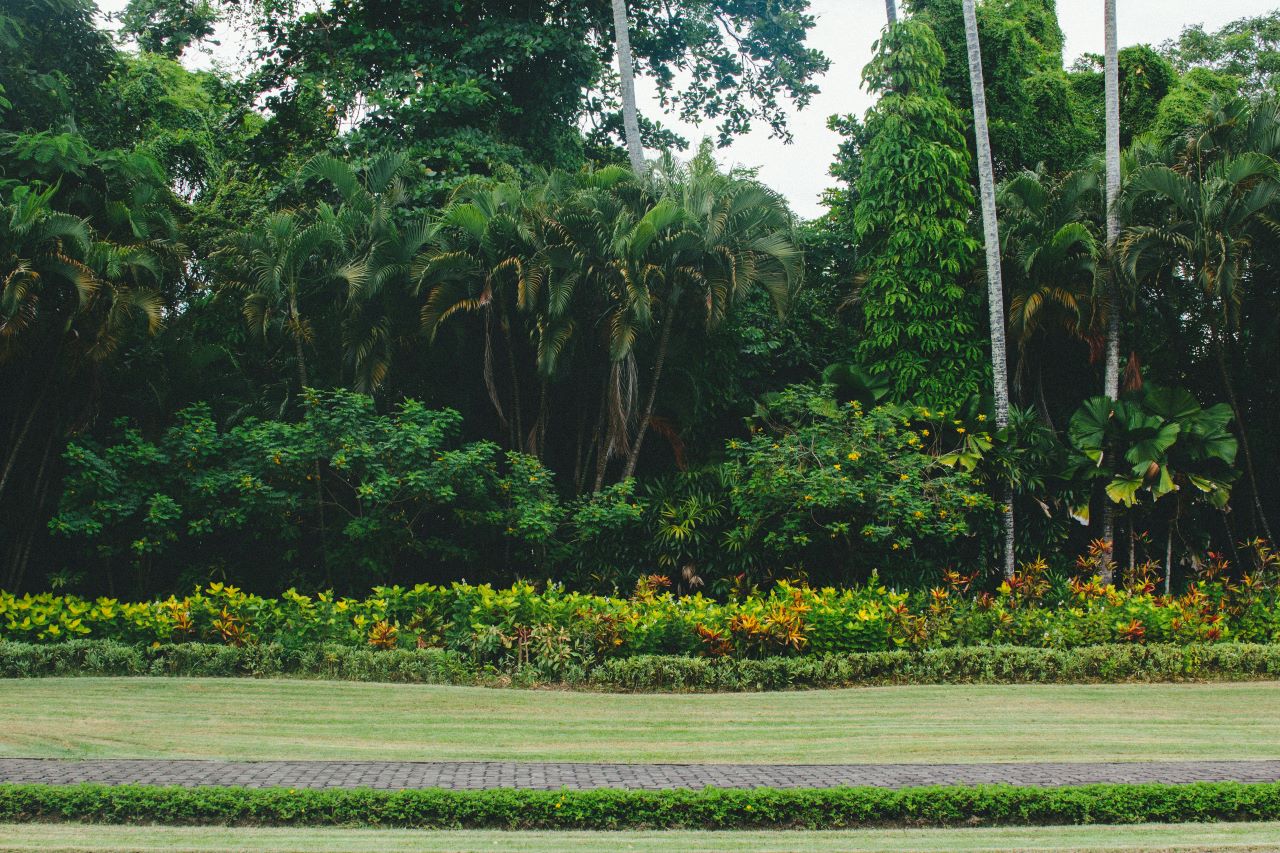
x,y
844,32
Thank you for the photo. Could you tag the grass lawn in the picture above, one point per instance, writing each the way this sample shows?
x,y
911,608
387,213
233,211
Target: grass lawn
x,y
1147,837
295,719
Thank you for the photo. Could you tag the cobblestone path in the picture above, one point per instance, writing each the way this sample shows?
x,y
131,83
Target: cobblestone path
x,y
394,775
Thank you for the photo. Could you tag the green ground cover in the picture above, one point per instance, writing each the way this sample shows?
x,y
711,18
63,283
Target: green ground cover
x,y
293,719
1146,837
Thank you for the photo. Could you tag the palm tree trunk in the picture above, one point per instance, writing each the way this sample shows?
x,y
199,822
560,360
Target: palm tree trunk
x,y
302,390
22,437
634,456
991,237
603,442
1111,373
626,75
1111,381
297,344
891,10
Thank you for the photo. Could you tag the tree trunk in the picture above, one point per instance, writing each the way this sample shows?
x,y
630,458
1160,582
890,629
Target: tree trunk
x,y
626,76
297,345
634,456
891,10
1111,381
516,411
22,437
1111,371
302,391
603,443
1168,558
1220,348
991,237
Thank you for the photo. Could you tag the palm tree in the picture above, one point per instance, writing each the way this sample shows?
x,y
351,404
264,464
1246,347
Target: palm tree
x,y
65,300
379,252
891,10
709,240
479,264
991,238
1051,253
278,265
1208,212
626,76
587,299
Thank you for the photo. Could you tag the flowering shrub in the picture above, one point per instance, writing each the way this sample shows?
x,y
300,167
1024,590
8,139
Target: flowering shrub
x,y
553,628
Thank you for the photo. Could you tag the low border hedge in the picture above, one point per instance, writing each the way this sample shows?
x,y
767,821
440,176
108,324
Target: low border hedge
x,y
831,808
967,665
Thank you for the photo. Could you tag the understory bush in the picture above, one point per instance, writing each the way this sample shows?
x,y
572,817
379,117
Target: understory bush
x,y
657,673
604,809
552,630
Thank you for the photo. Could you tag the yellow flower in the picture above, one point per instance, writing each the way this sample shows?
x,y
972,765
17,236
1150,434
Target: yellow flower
x,y
981,418
960,430
837,466
925,433
855,456
903,477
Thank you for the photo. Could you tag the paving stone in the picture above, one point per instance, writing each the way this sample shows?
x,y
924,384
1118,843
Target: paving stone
x,y
473,775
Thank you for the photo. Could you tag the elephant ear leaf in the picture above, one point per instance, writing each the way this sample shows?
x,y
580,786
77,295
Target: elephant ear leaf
x,y
1164,483
1217,490
1172,404
1156,442
1088,427
1124,490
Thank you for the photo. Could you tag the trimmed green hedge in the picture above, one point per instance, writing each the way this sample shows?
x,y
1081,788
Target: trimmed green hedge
x,y
831,808
977,665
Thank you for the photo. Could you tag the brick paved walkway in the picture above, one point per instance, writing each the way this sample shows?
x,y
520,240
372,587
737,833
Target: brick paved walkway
x,y
554,776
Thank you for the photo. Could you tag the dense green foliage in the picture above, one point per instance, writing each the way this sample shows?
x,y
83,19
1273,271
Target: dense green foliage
x,y
1108,664
555,632
379,304
607,809
914,201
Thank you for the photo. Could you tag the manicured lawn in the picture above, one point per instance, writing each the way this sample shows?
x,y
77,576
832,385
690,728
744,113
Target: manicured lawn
x,y
1146,837
293,719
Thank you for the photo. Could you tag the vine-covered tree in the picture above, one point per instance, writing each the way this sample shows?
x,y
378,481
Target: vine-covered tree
x,y
920,311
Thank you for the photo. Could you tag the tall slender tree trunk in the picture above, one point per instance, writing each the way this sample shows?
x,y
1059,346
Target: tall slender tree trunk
x,y
1111,381
603,441
626,75
21,439
634,456
1111,370
891,10
991,237
302,390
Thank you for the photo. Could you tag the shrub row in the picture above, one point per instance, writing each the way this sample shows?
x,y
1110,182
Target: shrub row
x,y
556,630
605,809
976,665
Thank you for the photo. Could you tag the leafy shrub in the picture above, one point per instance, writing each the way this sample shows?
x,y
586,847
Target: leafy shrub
x,y
607,809
833,492
341,492
552,632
